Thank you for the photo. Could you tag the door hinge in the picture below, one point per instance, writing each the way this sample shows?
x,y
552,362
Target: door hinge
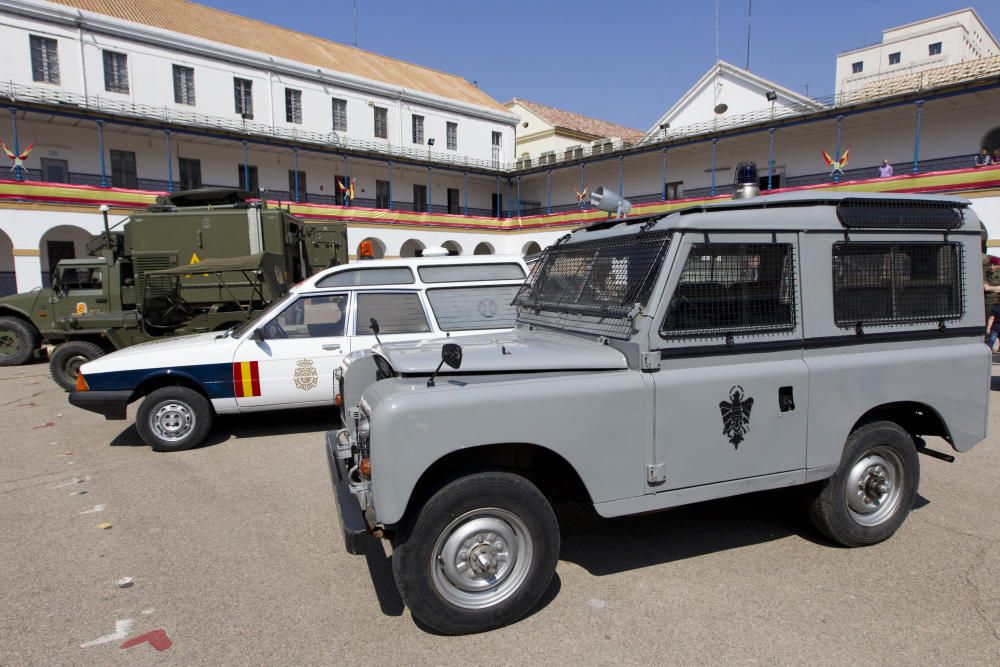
x,y
649,361
656,473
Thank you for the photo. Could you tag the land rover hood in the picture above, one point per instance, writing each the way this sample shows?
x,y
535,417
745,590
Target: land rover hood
x,y
511,351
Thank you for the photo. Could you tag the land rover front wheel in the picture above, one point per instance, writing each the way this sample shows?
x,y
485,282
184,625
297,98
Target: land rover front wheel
x,y
174,418
480,554
67,359
874,487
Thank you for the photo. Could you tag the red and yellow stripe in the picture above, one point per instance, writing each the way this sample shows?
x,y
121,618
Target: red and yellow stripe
x,y
246,379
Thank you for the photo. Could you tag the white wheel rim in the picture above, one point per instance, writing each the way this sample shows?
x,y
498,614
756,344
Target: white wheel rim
x,y
875,486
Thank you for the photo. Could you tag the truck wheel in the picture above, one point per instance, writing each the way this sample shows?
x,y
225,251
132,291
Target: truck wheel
x,y
871,493
67,359
18,340
174,418
480,554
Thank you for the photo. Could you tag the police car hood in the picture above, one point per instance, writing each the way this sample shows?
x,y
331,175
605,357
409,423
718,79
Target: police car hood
x,y
510,351
172,351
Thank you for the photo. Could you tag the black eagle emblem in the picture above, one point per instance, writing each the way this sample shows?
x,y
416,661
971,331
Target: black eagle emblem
x,y
736,415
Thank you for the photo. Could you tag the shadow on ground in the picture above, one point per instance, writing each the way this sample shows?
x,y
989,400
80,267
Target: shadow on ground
x,y
251,425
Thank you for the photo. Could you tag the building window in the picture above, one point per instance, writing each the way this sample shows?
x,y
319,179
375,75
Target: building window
x,y
418,129
339,115
452,138
495,140
183,85
858,67
190,173
55,171
254,185
675,190
297,193
243,92
44,59
894,58
381,194
381,123
419,198
934,49
123,173
115,72
293,105
453,200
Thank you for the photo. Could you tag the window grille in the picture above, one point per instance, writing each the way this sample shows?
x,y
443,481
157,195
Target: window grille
x,y
44,59
886,283
418,129
293,105
733,288
452,136
593,286
243,94
870,213
183,85
339,115
381,122
115,72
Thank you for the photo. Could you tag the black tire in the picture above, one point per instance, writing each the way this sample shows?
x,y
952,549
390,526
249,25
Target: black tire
x,y
18,340
67,359
171,419
499,513
873,490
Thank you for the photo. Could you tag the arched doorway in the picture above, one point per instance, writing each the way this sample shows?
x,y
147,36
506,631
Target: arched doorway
x,y
62,242
377,248
8,281
410,248
531,248
452,247
483,248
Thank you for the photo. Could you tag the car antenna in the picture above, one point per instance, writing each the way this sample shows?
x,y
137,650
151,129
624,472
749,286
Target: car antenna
x,y
373,325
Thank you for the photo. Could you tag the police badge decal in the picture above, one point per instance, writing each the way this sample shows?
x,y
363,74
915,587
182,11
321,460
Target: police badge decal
x,y
736,416
305,377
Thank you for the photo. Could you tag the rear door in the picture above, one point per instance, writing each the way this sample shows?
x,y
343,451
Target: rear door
x,y
401,315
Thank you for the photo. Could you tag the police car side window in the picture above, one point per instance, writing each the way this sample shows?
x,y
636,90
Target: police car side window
x,y
395,313
310,317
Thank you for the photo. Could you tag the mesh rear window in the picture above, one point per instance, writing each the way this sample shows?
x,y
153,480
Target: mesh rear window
x,y
593,286
733,288
896,282
860,212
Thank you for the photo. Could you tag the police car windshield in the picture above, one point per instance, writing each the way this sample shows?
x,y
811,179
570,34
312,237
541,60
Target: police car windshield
x,y
241,329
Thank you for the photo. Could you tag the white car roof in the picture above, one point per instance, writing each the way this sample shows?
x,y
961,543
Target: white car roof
x,y
411,263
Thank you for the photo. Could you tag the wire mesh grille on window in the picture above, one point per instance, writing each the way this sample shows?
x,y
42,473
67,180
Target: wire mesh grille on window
x,y
733,288
593,286
888,283
860,212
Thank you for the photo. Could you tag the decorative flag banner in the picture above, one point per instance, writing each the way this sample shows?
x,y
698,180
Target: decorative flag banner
x,y
18,159
838,165
246,379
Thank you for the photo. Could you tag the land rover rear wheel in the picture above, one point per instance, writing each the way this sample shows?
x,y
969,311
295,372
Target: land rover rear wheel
x,y
480,554
18,340
67,359
173,418
874,487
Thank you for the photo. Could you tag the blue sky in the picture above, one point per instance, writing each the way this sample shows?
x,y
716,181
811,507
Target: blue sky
x,y
624,61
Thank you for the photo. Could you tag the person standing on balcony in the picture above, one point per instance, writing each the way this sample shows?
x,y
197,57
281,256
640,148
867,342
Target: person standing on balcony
x,y
996,156
885,171
983,159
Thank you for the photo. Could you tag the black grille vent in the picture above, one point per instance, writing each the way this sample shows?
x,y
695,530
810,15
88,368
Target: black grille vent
x,y
862,213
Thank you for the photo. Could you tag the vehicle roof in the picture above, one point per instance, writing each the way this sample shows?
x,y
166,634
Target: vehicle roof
x,y
412,263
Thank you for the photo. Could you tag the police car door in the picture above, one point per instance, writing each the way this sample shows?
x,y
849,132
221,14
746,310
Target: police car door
x,y
731,392
291,360
401,315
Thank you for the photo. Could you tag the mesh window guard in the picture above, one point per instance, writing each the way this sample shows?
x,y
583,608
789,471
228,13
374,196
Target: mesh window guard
x,y
593,286
733,288
860,212
885,283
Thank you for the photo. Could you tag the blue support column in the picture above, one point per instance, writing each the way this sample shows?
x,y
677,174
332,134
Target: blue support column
x,y
582,165
170,163
548,191
465,190
510,208
295,156
389,166
916,143
714,143
18,170
430,192
498,213
100,144
246,169
621,175
348,201
770,158
519,196
663,174
836,155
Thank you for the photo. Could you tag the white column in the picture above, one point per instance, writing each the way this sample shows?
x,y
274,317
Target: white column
x,y
27,269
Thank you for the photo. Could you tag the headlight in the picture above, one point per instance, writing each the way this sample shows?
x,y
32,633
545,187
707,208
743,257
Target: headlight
x,y
364,450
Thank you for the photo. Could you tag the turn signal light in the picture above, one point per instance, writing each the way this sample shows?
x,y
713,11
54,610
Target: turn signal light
x,y
365,468
338,400
81,383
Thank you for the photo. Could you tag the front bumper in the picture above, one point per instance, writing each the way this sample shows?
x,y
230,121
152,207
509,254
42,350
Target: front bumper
x,y
111,404
352,519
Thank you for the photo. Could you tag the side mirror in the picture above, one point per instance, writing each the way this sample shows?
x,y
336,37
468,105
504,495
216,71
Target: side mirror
x,y
258,335
451,354
373,325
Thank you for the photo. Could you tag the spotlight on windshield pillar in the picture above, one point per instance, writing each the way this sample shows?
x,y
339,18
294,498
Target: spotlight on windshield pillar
x,y
607,200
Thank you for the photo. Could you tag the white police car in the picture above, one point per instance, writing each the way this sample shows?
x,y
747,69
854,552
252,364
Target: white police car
x,y
285,357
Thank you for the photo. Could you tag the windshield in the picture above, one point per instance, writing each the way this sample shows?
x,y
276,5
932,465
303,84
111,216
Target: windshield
x,y
593,286
241,329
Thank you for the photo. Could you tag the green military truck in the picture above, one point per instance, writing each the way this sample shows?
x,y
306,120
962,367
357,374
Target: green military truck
x,y
196,261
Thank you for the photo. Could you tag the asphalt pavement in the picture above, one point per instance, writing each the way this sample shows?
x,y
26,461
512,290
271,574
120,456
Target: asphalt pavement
x,y
235,557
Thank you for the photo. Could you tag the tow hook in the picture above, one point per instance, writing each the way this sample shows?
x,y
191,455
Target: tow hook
x,y
926,451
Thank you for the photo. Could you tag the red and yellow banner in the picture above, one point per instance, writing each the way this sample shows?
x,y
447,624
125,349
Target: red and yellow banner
x,y
246,379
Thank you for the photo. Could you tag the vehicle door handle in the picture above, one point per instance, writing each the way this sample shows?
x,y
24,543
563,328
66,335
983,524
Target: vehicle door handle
x,y
332,346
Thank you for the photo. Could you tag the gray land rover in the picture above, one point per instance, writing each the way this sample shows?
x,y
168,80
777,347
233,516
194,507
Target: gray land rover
x,y
801,339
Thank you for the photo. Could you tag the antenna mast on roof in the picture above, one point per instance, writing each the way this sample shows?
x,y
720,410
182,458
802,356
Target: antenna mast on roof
x,y
355,23
716,30
749,14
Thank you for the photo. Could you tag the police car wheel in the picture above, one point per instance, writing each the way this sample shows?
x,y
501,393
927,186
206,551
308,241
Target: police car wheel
x,y
174,418
871,493
479,555
67,359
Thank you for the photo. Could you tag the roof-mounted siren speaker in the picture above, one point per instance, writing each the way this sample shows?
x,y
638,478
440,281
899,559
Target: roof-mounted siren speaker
x,y
608,200
746,183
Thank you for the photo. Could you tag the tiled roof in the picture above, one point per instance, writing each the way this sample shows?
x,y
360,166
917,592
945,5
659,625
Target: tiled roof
x,y
576,122
215,25
969,70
